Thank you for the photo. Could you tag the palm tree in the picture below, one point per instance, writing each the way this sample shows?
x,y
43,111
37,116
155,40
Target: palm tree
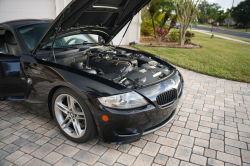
x,y
156,7
173,22
152,14
165,7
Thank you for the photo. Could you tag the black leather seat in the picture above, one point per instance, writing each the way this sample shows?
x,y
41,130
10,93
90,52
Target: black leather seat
x,y
10,44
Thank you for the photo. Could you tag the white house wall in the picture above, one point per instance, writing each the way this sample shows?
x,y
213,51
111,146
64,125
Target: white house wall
x,y
40,9
132,34
23,9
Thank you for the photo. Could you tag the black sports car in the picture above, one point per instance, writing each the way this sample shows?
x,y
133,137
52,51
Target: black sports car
x,y
91,87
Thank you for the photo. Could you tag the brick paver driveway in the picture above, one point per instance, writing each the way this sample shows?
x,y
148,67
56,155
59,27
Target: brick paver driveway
x,y
211,128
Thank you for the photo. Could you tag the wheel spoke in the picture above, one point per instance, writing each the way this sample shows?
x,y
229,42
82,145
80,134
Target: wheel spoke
x,y
80,118
65,120
70,101
75,124
78,113
62,107
67,125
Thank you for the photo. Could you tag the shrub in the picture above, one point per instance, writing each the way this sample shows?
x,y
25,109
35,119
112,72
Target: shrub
x,y
161,34
145,32
188,41
189,34
188,37
175,35
147,27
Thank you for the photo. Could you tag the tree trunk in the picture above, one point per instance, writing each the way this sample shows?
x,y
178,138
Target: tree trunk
x,y
153,22
159,40
182,40
166,17
182,35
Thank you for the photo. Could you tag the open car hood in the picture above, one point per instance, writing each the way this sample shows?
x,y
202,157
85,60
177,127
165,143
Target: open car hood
x,y
101,17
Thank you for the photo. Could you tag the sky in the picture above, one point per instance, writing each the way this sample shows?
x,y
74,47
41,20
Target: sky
x,y
225,3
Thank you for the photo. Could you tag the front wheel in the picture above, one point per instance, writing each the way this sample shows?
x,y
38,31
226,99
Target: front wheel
x,y
72,115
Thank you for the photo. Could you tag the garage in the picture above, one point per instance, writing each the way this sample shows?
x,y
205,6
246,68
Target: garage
x,y
23,9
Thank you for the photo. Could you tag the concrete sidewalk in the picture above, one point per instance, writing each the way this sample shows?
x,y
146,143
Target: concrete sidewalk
x,y
223,37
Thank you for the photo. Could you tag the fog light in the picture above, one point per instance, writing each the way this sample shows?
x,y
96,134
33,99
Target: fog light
x,y
105,118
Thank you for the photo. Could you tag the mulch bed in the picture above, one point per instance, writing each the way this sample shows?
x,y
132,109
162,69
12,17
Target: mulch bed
x,y
152,42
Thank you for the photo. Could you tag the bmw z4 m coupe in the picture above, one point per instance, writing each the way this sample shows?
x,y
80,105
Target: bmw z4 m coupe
x,y
91,87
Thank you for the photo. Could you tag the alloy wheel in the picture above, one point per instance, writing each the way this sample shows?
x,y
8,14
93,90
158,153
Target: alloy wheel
x,y
70,115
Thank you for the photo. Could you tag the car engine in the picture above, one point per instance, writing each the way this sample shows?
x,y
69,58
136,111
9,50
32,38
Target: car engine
x,y
130,70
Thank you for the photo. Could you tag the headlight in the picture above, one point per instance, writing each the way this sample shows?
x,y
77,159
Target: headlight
x,y
124,101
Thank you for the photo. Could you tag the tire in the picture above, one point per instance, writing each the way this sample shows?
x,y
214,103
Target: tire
x,y
74,120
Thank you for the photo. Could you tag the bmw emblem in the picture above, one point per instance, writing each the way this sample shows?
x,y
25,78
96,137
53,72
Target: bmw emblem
x,y
172,81
72,115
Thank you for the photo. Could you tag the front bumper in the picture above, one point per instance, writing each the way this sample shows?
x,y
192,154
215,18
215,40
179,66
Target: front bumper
x,y
126,126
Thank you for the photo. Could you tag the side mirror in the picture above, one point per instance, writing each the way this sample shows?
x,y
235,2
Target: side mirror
x,y
101,40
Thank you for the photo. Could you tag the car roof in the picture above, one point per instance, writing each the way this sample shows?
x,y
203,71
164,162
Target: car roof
x,y
19,23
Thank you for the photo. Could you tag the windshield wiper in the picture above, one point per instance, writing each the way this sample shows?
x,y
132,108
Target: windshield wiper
x,y
85,43
49,47
63,47
88,43
71,47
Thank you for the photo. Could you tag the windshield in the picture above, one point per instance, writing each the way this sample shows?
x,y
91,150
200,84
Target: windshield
x,y
71,40
32,34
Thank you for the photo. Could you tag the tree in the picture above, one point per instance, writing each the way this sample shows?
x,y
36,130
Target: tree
x,y
230,14
241,13
213,10
152,14
208,11
221,16
187,11
203,12
165,7
156,7
173,22
145,14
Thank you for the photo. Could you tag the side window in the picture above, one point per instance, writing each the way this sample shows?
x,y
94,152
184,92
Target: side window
x,y
10,44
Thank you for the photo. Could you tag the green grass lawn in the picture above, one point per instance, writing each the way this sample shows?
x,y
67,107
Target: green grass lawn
x,y
231,29
218,57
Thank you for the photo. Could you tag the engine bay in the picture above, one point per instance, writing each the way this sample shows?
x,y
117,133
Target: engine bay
x,y
128,69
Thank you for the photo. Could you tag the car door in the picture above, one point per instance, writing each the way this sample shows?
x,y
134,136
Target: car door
x,y
11,86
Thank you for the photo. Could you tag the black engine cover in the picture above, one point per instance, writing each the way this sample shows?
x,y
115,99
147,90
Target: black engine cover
x,y
120,68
